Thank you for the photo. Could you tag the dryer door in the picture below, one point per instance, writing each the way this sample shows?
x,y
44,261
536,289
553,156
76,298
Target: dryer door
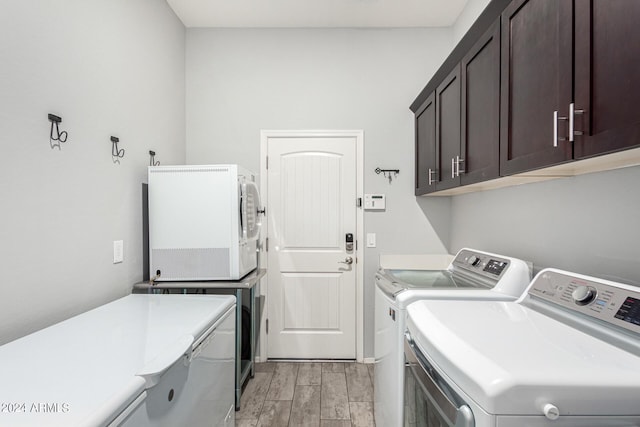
x,y
428,400
249,216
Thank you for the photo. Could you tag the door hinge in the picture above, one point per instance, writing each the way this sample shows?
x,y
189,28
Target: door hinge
x,y
266,163
266,244
267,326
359,202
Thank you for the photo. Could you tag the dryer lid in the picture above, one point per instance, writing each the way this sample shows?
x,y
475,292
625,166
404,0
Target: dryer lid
x,y
393,282
470,270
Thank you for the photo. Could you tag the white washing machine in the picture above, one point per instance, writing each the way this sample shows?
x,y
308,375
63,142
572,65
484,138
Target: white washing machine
x,y
566,354
472,275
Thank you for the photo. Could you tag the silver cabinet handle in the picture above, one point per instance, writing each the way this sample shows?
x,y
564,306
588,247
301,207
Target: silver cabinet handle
x,y
431,180
555,128
348,260
458,161
572,116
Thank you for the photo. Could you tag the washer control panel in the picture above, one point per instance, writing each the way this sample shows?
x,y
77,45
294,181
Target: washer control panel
x,y
489,266
611,302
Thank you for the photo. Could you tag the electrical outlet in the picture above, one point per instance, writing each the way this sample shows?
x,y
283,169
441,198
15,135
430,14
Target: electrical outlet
x,y
118,251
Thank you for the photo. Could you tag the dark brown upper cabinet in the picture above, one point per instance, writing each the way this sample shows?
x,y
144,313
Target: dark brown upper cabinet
x,y
480,109
536,84
607,76
425,128
459,145
448,131
536,89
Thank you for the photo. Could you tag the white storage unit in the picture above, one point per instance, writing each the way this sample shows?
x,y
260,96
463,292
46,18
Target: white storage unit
x,y
142,360
203,222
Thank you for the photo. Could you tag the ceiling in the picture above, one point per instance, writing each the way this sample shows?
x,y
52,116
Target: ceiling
x,y
317,13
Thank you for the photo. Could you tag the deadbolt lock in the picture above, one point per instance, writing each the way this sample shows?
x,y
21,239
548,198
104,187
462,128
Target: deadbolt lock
x,y
348,242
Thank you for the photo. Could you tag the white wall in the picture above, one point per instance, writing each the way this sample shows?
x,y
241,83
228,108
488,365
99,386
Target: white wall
x,y
588,224
242,81
467,17
108,67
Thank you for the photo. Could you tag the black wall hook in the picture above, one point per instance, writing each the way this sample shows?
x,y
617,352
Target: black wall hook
x,y
58,136
152,162
115,153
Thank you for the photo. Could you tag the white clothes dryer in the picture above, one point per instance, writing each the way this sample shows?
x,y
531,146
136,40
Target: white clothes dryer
x,y
566,354
471,275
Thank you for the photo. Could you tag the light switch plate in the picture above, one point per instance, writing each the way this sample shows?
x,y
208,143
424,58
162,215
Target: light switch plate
x,y
371,240
118,251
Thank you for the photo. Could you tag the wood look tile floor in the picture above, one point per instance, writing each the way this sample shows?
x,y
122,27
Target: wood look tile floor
x,y
314,394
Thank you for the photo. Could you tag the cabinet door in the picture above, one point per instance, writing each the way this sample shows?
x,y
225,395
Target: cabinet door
x,y
536,80
426,167
448,130
480,120
607,76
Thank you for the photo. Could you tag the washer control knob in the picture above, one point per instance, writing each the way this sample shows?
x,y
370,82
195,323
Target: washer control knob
x,y
551,411
473,260
583,295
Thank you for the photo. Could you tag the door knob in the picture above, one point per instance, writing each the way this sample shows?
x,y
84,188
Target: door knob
x,y
348,260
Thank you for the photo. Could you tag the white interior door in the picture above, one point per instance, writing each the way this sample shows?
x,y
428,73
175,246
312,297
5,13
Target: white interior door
x,y
311,286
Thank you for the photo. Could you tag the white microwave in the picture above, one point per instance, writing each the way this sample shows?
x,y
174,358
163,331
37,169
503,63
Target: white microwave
x,y
203,222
